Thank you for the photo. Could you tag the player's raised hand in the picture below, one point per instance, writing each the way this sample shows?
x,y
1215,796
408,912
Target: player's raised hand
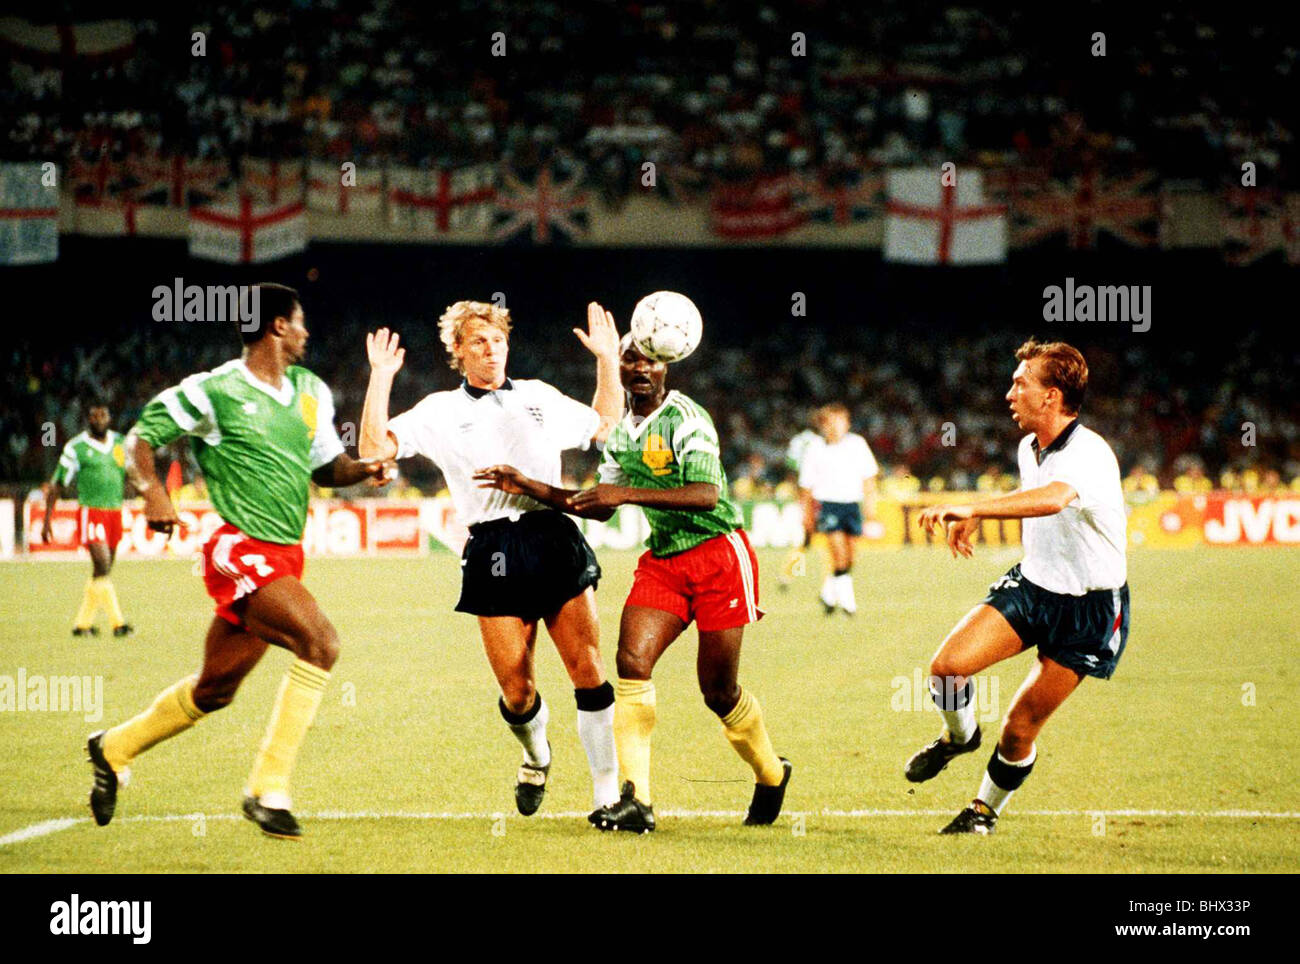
x,y
601,336
385,356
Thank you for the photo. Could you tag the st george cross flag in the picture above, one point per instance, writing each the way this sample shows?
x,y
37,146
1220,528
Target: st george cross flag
x,y
29,216
242,232
932,219
273,181
451,201
333,190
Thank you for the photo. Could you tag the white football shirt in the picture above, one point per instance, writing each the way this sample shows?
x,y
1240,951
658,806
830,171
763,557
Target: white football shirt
x,y
1082,547
836,473
525,423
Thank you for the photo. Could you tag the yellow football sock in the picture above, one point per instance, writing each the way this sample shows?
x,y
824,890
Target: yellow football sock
x,y
173,710
108,600
634,722
744,728
295,708
89,603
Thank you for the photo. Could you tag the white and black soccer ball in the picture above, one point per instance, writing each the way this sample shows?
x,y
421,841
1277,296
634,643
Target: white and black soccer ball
x,y
666,326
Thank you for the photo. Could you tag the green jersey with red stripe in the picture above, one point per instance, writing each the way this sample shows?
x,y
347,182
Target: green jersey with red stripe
x,y
674,445
97,467
257,445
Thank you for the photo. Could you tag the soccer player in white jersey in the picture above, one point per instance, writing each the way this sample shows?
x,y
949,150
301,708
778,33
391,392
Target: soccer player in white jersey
x,y
839,476
1068,596
524,562
795,453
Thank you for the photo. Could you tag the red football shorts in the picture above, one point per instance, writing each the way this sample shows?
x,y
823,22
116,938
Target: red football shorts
x,y
715,584
236,565
99,525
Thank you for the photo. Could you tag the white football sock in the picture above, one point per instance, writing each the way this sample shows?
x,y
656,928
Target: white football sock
x,y
828,590
844,591
960,722
992,794
596,730
532,735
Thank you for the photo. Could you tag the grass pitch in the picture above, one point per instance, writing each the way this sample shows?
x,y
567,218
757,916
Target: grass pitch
x,y
409,767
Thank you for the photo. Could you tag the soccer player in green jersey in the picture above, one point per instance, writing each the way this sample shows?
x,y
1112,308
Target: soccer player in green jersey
x,y
262,427
663,456
95,461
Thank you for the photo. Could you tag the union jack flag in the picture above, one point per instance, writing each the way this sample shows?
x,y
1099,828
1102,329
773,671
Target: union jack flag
x,y
541,212
847,201
1088,206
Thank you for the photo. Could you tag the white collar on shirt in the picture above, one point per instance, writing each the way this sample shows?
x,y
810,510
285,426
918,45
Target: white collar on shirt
x,y
283,395
105,446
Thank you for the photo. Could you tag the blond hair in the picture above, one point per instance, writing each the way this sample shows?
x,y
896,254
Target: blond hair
x,y
451,326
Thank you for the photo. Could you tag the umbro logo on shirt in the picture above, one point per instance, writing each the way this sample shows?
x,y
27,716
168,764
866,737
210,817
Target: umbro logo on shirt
x,y
535,412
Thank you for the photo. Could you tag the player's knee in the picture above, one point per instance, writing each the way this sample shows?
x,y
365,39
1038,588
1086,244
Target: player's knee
x,y
518,694
720,696
632,665
321,645
948,671
212,695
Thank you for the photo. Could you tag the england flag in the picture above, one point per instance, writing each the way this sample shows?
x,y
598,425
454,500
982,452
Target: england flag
x,y
29,214
941,218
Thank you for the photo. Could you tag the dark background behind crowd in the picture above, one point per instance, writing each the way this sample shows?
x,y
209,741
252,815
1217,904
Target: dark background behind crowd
x,y
712,91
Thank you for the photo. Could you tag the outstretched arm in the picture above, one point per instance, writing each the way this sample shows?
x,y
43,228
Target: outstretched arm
x,y
960,520
509,479
601,339
345,471
693,496
600,501
377,444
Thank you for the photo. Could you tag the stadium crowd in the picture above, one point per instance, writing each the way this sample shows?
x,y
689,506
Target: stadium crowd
x,y
711,90
715,90
1191,421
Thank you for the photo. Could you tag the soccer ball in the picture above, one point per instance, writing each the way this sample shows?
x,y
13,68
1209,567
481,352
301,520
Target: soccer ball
x,y
666,326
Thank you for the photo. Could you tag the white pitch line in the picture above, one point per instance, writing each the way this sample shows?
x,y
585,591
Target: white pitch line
x,y
47,827
42,829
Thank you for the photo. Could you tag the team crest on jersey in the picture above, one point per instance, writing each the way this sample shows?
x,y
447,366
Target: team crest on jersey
x,y
307,405
536,413
656,454
119,455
